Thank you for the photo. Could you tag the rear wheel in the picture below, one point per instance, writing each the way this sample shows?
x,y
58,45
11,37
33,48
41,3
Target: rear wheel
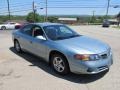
x,y
17,46
60,64
3,28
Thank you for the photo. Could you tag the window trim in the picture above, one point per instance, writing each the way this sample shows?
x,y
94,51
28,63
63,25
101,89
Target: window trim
x,y
40,28
21,30
60,25
44,33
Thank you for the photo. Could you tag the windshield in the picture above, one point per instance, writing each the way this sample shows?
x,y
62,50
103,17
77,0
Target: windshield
x,y
59,32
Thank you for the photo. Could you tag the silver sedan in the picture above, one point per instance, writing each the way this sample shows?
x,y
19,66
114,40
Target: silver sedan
x,y
64,49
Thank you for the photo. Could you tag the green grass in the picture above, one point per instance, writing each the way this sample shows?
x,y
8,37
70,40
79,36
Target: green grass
x,y
117,27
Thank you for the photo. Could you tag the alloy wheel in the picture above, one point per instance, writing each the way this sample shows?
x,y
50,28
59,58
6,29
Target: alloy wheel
x,y
58,64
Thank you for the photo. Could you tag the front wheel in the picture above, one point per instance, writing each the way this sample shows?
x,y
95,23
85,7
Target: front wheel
x,y
60,64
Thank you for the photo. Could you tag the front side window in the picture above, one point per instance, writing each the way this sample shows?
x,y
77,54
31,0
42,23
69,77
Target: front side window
x,y
12,23
37,31
59,32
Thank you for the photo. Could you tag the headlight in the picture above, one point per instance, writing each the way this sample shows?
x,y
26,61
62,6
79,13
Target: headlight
x,y
86,57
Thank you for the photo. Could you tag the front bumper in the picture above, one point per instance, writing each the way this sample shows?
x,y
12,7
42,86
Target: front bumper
x,y
90,67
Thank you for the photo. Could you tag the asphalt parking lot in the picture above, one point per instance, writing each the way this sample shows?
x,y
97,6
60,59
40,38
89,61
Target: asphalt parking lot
x,y
27,72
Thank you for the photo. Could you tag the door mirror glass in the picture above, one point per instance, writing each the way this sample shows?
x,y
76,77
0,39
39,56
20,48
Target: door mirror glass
x,y
41,37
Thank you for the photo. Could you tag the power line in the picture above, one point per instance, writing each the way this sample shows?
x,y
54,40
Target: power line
x,y
76,7
57,4
62,6
27,4
68,1
16,6
17,11
59,7
49,7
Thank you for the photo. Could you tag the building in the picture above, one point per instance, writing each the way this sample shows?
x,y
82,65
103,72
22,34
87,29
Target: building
x,y
113,21
67,20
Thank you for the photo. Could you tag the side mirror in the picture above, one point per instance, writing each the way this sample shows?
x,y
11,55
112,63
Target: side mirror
x,y
41,37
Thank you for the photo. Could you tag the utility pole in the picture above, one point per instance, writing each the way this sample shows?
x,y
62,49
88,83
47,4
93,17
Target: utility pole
x,y
93,18
108,5
34,10
46,11
8,9
93,13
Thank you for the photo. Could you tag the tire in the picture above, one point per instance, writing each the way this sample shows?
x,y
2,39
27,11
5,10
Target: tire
x,y
60,64
3,28
17,46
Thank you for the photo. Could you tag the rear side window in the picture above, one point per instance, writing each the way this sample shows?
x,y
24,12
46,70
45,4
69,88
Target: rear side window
x,y
27,30
12,23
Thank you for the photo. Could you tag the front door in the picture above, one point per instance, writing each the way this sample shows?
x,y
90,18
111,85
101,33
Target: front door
x,y
39,47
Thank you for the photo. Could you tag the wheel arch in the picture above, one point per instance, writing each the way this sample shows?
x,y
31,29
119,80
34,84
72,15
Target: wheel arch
x,y
2,27
15,39
56,52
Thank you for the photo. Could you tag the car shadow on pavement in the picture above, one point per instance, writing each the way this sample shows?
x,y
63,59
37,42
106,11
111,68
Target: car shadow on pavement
x,y
36,61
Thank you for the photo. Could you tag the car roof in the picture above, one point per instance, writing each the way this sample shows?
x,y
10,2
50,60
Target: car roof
x,y
47,24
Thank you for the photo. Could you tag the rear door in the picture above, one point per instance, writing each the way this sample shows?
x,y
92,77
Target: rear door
x,y
25,37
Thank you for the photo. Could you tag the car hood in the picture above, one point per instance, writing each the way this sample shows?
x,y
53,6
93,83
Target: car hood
x,y
84,45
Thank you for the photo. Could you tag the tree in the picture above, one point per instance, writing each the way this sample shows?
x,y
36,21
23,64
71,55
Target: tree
x,y
52,19
93,19
118,18
38,18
